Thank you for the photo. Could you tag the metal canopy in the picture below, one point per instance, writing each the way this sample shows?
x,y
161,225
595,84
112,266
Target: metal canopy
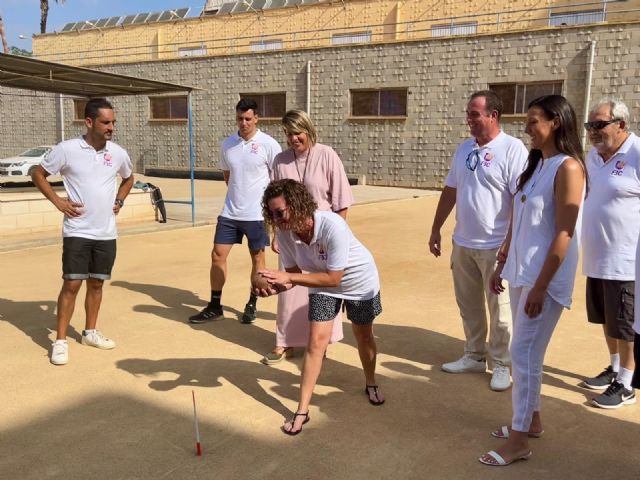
x,y
31,74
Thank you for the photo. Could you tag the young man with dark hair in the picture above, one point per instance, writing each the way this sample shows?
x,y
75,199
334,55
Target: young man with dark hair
x,y
245,160
88,165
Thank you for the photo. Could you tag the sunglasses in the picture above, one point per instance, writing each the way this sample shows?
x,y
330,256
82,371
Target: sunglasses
x,y
599,124
278,214
472,159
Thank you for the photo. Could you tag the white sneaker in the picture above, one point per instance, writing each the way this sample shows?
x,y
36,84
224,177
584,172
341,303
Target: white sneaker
x,y
501,378
60,353
465,364
96,339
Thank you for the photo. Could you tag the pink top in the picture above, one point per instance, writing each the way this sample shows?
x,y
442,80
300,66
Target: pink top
x,y
321,171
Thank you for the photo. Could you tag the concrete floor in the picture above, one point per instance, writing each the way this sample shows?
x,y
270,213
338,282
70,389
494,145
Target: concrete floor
x,y
127,413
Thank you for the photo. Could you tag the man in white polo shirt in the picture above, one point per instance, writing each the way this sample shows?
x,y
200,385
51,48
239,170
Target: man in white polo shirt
x,y
481,184
88,165
245,160
612,212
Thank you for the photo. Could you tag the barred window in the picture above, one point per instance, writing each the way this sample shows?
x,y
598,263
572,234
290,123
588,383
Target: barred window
x,y
516,96
447,29
390,102
169,108
354,37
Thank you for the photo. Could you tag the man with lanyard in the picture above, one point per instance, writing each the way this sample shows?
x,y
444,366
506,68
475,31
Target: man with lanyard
x,y
612,210
481,184
88,165
245,161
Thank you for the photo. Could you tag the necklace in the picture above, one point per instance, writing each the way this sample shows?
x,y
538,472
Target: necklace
x,y
303,175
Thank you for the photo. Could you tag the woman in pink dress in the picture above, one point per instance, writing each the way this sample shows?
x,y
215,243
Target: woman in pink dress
x,y
320,169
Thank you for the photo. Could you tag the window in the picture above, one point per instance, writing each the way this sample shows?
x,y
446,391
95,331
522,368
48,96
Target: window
x,y
192,51
379,103
266,45
576,18
78,109
270,105
445,30
168,108
355,37
516,96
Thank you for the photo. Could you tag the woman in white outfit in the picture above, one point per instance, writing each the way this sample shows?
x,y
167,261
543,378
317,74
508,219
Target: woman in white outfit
x,y
541,262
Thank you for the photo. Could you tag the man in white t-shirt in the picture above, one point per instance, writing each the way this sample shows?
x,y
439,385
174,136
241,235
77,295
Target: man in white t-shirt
x,y
481,184
612,214
245,160
88,165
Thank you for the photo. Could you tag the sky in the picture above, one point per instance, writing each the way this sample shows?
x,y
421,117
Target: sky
x,y
22,17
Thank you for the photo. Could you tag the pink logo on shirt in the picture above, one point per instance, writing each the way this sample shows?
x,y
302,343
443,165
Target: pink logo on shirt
x,y
254,148
107,160
619,168
486,161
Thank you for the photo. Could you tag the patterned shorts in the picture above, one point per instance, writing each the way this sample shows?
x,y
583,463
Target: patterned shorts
x,y
323,308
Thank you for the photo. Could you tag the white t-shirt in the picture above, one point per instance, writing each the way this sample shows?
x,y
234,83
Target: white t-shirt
x,y
612,213
332,248
89,178
484,195
249,164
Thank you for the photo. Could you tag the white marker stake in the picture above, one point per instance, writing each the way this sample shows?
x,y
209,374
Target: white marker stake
x,y
195,419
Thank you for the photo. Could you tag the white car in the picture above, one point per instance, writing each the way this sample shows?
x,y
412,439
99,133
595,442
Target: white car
x,y
24,163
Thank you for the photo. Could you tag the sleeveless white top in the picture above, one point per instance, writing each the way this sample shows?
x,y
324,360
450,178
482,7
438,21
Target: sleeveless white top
x,y
534,229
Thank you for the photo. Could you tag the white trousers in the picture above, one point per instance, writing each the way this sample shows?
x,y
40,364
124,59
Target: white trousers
x,y
472,268
531,337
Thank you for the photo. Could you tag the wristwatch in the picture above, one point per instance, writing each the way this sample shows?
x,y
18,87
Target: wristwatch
x,y
119,202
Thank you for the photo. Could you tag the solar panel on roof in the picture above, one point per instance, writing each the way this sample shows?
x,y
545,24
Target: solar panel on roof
x,y
277,3
291,3
112,22
309,2
140,18
226,8
241,7
153,17
182,12
87,24
259,4
128,20
68,27
102,22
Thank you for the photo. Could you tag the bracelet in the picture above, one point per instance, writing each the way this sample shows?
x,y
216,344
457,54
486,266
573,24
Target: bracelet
x,y
118,202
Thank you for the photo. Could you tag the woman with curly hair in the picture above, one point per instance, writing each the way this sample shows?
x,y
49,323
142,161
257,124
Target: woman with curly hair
x,y
341,271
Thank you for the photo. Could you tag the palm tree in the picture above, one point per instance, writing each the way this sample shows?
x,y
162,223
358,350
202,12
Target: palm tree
x,y
44,13
3,35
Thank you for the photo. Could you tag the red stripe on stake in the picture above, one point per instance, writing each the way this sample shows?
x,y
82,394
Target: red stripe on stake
x,y
195,419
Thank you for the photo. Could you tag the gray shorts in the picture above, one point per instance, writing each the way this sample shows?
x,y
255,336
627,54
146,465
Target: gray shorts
x,y
323,308
84,258
610,303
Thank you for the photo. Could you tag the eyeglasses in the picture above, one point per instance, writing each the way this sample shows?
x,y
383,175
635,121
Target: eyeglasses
x,y
472,159
599,124
278,214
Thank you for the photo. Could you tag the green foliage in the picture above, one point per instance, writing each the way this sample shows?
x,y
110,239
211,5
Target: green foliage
x,y
20,51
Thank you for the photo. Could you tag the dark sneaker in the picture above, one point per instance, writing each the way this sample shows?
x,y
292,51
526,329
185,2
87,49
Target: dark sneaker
x,y
208,314
615,396
602,380
249,315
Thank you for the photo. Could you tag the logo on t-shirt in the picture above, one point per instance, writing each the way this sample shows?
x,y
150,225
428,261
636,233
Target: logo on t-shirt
x,y
254,148
486,160
322,252
107,160
619,168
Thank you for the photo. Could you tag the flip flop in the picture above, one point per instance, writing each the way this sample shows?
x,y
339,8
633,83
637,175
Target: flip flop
x,y
375,389
499,461
293,421
503,433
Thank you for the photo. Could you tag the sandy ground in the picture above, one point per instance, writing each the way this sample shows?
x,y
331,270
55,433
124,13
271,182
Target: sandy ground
x,y
127,413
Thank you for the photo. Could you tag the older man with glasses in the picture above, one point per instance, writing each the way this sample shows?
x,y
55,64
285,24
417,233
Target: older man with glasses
x,y
481,184
612,210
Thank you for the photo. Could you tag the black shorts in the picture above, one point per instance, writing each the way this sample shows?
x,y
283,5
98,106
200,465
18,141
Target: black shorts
x,y
230,231
610,303
323,308
635,382
84,258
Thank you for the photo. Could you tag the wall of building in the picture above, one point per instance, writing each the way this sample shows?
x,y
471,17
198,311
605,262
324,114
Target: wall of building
x,y
309,26
414,152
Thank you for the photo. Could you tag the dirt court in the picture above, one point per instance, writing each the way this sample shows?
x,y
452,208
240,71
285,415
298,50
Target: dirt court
x,y
127,413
